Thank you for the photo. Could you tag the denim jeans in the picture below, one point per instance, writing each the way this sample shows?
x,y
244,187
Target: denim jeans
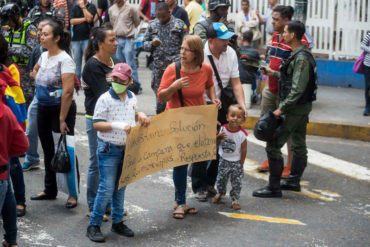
x,y
126,54
92,182
32,155
179,179
78,49
16,174
9,212
110,160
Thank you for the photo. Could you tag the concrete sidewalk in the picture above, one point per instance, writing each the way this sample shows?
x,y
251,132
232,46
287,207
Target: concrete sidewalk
x,y
337,112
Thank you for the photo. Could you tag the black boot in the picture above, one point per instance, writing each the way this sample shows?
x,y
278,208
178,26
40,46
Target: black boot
x,y
298,166
276,167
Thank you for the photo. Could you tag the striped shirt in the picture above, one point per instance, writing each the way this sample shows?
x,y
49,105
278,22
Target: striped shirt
x,y
279,52
365,45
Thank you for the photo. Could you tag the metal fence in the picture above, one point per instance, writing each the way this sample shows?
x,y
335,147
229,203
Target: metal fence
x,y
337,26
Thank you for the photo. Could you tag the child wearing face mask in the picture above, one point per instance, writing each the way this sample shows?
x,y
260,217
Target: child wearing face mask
x,y
115,113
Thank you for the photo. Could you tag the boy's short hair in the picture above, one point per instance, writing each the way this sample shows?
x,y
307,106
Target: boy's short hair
x,y
297,28
239,107
248,36
162,6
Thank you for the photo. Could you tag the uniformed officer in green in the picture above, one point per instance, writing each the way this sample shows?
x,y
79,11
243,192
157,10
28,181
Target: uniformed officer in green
x,y
218,13
21,35
297,90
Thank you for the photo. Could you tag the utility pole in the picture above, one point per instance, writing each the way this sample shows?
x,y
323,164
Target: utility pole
x,y
300,10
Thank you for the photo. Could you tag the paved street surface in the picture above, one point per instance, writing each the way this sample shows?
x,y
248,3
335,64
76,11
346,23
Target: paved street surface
x,y
333,208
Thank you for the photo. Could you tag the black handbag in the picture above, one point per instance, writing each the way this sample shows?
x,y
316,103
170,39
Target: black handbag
x,y
227,94
61,162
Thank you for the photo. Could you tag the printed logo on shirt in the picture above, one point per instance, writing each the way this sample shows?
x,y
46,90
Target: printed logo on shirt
x,y
228,146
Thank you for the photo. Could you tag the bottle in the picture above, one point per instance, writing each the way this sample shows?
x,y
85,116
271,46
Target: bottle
x,y
57,93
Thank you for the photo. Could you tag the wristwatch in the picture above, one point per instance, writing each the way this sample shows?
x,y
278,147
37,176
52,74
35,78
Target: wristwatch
x,y
84,7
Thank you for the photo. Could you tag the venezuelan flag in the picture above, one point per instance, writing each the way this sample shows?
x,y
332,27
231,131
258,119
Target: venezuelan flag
x,y
14,97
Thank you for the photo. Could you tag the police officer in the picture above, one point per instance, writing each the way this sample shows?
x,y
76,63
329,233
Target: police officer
x,y
297,90
218,13
163,37
21,35
43,11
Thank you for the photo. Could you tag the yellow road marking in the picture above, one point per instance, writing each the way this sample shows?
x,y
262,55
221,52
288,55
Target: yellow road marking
x,y
250,168
263,218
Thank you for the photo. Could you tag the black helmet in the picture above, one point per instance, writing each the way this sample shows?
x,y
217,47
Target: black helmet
x,y
214,4
8,12
268,127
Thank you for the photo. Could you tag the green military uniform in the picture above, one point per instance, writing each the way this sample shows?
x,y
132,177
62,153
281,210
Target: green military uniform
x,y
296,113
200,29
297,90
21,43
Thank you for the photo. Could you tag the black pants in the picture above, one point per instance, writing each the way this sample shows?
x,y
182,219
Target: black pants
x,y
367,88
47,123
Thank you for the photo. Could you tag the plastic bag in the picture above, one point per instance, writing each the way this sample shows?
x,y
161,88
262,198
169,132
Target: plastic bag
x,y
60,162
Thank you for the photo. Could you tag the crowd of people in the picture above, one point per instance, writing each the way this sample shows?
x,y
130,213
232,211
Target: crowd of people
x,y
199,55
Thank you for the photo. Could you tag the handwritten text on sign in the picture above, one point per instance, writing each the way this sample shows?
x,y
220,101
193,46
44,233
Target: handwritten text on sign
x,y
176,137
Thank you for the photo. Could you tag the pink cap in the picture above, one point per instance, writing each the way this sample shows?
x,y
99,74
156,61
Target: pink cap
x,y
122,71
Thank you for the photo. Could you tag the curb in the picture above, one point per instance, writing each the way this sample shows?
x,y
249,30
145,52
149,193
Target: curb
x,y
339,130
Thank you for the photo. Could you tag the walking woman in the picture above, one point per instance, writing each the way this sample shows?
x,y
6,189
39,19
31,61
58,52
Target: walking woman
x,y
365,45
195,80
55,70
96,76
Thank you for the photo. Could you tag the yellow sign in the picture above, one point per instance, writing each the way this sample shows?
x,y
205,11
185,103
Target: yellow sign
x,y
176,137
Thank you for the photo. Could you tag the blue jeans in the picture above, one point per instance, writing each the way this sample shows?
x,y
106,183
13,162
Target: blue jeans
x,y
110,160
16,173
32,155
9,212
179,179
126,54
92,182
78,49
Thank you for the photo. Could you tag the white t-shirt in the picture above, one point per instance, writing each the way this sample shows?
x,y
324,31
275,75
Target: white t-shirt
x,y
230,148
111,108
49,76
227,66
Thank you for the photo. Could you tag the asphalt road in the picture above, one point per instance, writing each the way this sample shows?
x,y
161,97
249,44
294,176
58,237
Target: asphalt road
x,y
332,210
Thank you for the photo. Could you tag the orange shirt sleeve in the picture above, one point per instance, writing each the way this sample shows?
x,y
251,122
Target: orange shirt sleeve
x,y
169,76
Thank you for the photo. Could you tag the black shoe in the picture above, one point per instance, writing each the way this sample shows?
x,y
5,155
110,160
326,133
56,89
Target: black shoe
x,y
267,192
289,185
70,205
21,212
94,234
39,197
122,229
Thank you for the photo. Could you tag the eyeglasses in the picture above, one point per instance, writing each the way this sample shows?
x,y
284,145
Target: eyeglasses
x,y
185,49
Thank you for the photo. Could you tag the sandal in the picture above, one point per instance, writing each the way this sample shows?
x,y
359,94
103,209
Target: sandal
x,y
189,210
235,205
179,212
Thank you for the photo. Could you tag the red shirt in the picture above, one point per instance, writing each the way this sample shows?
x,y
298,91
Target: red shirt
x,y
13,141
193,94
279,51
149,13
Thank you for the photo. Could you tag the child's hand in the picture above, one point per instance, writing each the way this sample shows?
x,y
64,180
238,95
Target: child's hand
x,y
241,165
143,119
127,129
221,136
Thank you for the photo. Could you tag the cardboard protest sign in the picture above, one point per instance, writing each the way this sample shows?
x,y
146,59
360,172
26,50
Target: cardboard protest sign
x,y
176,137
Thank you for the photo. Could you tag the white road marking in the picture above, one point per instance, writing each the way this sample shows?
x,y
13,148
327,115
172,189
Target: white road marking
x,y
328,162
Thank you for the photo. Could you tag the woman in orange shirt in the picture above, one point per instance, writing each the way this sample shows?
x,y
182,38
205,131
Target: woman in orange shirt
x,y
195,80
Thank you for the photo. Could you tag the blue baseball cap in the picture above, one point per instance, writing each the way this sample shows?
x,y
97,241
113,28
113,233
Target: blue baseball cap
x,y
222,31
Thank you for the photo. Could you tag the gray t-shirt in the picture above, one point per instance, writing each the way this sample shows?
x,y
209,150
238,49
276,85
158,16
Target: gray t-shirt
x,y
49,76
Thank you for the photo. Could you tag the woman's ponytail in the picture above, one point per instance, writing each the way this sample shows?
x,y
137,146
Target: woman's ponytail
x,y
97,35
